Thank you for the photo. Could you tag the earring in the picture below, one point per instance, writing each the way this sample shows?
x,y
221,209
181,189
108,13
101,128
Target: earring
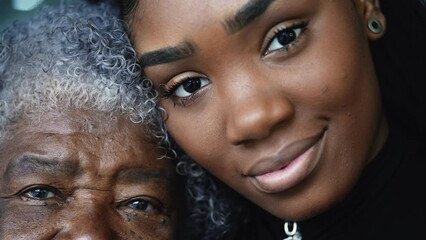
x,y
375,25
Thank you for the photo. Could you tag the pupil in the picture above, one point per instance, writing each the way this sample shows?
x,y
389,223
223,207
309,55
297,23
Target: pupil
x,y
192,85
140,205
39,193
286,37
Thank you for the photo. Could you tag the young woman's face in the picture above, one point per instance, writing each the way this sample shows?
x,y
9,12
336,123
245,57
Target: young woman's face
x,y
278,99
84,176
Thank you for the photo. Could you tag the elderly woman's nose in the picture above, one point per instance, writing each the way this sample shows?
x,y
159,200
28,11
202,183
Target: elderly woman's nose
x,y
88,218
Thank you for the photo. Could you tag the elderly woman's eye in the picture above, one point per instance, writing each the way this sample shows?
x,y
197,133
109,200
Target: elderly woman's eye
x,y
40,193
144,204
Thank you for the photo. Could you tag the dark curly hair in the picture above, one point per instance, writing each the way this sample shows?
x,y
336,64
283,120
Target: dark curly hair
x,y
217,210
213,200
79,55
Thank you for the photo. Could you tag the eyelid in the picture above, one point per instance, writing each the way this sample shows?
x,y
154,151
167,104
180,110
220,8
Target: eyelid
x,y
157,204
58,194
271,34
167,90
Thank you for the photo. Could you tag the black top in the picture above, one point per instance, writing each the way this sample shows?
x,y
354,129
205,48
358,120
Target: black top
x,y
388,202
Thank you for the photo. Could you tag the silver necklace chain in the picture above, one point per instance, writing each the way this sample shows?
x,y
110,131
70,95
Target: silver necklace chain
x,y
292,233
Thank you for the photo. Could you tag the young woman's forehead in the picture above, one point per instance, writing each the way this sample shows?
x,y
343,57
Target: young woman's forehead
x,y
180,24
238,11
162,23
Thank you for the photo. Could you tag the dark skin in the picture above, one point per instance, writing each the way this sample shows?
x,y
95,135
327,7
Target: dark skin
x,y
83,175
278,99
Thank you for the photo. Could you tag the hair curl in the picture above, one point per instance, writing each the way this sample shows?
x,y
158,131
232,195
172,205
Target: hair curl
x,y
79,56
216,205
74,56
217,210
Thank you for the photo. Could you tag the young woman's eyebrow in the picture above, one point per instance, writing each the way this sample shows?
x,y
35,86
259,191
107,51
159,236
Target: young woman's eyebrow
x,y
26,165
168,54
246,14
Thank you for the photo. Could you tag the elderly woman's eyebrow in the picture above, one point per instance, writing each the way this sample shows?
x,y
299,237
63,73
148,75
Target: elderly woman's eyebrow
x,y
28,164
246,15
142,174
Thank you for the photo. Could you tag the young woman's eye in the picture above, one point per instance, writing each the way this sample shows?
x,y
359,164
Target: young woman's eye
x,y
187,87
40,193
142,204
284,39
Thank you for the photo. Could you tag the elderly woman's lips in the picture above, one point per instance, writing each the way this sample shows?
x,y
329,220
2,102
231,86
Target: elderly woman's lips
x,y
290,166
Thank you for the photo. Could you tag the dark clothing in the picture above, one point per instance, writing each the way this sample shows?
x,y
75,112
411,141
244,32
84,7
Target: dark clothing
x,y
388,202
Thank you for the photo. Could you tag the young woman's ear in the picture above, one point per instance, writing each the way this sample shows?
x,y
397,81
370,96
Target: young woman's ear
x,y
374,20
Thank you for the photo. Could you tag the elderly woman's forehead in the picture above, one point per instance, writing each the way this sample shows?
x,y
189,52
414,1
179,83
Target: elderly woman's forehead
x,y
79,135
68,120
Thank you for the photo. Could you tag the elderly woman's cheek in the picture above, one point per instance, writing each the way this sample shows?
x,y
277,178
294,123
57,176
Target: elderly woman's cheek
x,y
25,221
144,225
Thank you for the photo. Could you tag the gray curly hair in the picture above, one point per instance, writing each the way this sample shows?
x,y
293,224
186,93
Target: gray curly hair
x,y
79,56
74,56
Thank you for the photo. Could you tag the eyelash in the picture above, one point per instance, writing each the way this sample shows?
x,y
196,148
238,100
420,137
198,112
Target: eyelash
x,y
301,25
25,193
170,91
152,205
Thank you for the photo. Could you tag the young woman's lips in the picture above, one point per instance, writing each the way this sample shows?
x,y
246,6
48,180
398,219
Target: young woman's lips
x,y
290,166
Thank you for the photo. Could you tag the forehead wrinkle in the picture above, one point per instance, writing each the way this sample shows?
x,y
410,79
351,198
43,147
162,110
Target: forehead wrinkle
x,y
168,54
244,16
142,175
31,164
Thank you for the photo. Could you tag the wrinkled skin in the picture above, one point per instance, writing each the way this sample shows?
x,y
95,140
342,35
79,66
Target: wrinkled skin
x,y
82,175
284,108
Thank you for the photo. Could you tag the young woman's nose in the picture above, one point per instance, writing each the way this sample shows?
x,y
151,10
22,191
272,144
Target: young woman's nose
x,y
256,115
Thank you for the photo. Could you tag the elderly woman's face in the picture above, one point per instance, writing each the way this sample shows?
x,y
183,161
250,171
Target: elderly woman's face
x,y
81,175
279,99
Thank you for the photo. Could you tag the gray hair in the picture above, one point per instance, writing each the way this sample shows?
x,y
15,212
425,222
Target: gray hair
x,y
74,56
80,56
